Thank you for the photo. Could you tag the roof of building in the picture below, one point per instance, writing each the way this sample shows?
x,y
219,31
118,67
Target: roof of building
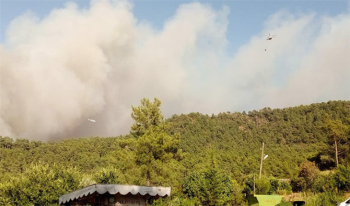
x,y
114,189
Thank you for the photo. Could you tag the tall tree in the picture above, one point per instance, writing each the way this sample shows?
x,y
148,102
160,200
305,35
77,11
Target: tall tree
x,y
154,150
154,147
337,132
145,116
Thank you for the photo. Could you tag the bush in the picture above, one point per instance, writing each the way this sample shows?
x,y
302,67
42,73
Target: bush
x,y
107,175
177,201
40,184
327,198
283,203
323,184
262,186
248,185
212,187
237,196
342,178
307,176
284,188
265,185
274,183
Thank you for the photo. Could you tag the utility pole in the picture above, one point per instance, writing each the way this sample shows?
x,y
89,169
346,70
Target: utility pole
x,y
254,185
262,158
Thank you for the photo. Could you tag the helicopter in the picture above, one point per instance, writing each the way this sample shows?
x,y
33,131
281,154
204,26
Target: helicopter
x,y
270,37
92,120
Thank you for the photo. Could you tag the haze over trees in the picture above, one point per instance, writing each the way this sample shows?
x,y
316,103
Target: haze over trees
x,y
206,159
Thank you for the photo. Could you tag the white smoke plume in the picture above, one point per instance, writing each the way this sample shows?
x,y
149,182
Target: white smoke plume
x,y
76,64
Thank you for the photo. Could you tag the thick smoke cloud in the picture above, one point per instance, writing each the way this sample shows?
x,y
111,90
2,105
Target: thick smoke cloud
x,y
95,63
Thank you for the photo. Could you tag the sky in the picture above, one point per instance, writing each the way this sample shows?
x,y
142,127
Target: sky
x,y
62,62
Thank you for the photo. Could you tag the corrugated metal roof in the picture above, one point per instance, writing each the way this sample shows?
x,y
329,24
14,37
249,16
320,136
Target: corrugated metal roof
x,y
114,189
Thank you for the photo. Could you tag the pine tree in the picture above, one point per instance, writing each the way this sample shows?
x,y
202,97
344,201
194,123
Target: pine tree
x,y
154,147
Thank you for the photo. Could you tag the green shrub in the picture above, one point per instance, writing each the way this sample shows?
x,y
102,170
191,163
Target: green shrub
x,y
212,187
177,201
342,178
274,185
262,186
40,184
326,198
237,196
249,185
307,176
323,184
283,203
284,188
108,175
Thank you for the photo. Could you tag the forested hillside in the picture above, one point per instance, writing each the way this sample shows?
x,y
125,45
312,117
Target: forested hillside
x,y
186,149
290,134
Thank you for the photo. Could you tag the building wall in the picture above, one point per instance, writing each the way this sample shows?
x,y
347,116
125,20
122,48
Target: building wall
x,y
124,200
111,200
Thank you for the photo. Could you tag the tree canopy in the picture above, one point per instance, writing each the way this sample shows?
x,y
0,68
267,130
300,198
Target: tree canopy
x,y
146,115
189,152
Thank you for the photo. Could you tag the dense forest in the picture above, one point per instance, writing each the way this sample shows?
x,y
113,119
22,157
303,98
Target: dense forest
x,y
206,159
